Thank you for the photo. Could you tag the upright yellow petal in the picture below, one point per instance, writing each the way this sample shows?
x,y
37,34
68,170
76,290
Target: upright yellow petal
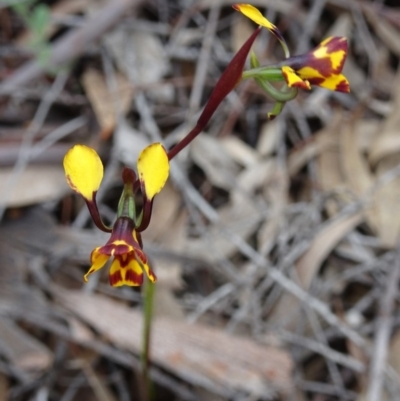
x,y
255,15
83,170
153,169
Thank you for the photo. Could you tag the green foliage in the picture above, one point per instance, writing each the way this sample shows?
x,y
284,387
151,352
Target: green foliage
x,y
37,19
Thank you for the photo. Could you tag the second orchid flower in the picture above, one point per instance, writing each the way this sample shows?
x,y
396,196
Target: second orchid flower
x,y
321,66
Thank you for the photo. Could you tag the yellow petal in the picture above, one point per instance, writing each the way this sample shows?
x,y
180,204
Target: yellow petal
x,y
153,169
98,261
255,15
293,80
83,170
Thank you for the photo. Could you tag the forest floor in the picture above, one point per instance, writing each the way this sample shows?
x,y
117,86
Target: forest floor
x,y
275,243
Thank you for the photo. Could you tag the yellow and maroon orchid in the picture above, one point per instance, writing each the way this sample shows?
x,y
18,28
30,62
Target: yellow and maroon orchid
x,y
84,173
255,15
321,66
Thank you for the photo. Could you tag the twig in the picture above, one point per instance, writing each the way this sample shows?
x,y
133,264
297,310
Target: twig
x,y
209,301
202,65
310,24
260,261
34,128
384,326
54,136
323,388
324,350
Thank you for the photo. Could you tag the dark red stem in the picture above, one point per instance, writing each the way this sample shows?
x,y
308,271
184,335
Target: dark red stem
x,y
147,209
94,212
229,79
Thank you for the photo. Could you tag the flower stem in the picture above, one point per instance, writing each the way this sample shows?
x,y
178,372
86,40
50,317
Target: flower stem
x,y
149,290
273,74
280,95
226,83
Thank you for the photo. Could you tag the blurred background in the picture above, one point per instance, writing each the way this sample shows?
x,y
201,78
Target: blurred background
x,y
275,243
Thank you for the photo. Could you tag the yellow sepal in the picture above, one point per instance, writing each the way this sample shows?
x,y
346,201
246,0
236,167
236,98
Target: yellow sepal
x,y
153,169
255,15
83,170
334,48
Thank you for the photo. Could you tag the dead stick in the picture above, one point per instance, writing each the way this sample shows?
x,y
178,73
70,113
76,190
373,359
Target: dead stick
x,y
71,45
384,326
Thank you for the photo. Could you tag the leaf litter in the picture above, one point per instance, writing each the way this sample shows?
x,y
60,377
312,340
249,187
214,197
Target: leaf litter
x,y
276,244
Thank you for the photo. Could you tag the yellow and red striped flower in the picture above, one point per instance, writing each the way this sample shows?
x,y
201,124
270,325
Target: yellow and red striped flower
x,y
129,258
84,173
321,66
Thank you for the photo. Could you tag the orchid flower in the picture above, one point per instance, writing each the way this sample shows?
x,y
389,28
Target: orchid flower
x,y
84,173
321,66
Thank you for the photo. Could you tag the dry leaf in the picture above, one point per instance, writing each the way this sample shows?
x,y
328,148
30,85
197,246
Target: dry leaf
x,y
201,355
387,32
218,165
330,176
384,153
367,131
239,219
4,386
142,57
324,139
168,229
100,389
34,185
21,349
241,30
387,199
394,352
128,143
269,137
107,102
387,142
277,193
324,243
239,151
287,308
355,169
385,145
250,180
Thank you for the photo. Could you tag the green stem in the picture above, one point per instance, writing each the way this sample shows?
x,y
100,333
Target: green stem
x,y
280,95
276,94
273,74
277,109
149,290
